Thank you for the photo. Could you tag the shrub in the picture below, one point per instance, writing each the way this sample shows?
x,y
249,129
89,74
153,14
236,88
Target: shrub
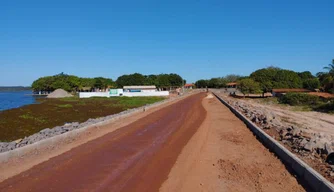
x,y
299,99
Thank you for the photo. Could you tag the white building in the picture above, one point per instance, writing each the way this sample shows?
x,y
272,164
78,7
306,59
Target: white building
x,y
140,88
127,91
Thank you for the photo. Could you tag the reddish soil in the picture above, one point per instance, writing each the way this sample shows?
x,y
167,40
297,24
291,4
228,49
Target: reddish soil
x,y
322,94
137,157
224,155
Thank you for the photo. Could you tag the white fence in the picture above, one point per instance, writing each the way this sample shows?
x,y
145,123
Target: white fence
x,y
145,94
93,94
126,94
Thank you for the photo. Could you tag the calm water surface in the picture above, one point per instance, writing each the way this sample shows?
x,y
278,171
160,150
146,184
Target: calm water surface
x,y
9,100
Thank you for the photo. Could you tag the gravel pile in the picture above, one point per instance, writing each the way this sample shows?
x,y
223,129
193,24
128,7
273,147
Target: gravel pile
x,y
59,93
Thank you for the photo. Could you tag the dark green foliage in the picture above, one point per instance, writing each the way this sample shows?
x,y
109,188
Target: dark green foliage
x,y
265,77
327,107
311,84
217,82
327,78
306,75
299,99
162,80
69,83
232,78
287,79
201,83
132,79
271,78
249,86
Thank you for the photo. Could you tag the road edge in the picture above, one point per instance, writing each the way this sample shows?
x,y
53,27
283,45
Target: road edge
x,y
316,181
54,146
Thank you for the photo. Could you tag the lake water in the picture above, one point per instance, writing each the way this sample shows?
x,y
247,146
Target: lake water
x,y
9,100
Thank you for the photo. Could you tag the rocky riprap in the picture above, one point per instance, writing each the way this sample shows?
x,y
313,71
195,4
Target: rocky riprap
x,y
318,147
50,132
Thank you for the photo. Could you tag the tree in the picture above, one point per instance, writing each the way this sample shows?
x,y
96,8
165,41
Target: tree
x,y
248,86
287,79
232,78
330,68
69,83
327,78
163,80
201,83
175,80
132,79
265,77
305,75
311,84
216,82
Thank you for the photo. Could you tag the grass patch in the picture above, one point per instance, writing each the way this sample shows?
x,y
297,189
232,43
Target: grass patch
x,y
65,106
27,120
26,116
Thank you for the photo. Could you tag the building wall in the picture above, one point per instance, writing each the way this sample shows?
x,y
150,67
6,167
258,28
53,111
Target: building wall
x,y
121,93
93,94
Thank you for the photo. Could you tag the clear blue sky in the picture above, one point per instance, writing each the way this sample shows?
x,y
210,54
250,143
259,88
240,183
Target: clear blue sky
x,y
196,39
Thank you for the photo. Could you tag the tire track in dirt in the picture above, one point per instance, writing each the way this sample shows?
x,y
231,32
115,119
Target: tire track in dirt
x,y
224,155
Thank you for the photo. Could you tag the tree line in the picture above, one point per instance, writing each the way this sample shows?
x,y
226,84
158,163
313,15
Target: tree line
x,y
217,82
266,79
73,83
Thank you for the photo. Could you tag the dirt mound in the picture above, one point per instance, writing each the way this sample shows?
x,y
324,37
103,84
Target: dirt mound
x,y
59,93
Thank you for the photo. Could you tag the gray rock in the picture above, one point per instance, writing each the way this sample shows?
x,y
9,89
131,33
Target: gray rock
x,y
328,149
303,142
11,145
309,146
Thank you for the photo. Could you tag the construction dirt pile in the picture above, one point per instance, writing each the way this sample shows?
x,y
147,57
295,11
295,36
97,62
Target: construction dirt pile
x,y
59,93
313,146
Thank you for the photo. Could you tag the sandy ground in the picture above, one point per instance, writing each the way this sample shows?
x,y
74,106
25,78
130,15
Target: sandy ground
x,y
224,155
313,122
137,157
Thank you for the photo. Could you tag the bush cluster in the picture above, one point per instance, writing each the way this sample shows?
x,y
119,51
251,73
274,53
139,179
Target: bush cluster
x,y
299,99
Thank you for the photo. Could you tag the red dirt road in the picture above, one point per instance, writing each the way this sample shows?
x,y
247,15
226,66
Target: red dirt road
x,y
137,157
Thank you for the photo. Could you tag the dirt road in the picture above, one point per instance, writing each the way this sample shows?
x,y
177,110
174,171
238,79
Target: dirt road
x,y
137,157
195,144
223,155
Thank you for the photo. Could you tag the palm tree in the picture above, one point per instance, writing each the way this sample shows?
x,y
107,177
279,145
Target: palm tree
x,y
328,78
330,68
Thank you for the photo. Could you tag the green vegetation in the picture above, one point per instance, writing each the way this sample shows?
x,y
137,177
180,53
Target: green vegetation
x,y
65,106
299,99
160,81
327,78
276,78
217,82
70,83
73,83
248,86
27,120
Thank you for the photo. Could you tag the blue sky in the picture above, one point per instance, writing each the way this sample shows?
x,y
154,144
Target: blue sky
x,y
196,39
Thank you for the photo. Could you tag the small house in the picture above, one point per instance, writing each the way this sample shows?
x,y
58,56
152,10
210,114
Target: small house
x,y
231,85
189,86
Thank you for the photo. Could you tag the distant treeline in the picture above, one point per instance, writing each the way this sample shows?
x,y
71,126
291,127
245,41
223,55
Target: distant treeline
x,y
266,79
74,83
14,88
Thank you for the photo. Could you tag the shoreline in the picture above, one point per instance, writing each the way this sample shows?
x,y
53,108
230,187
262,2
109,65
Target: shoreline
x,y
21,159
